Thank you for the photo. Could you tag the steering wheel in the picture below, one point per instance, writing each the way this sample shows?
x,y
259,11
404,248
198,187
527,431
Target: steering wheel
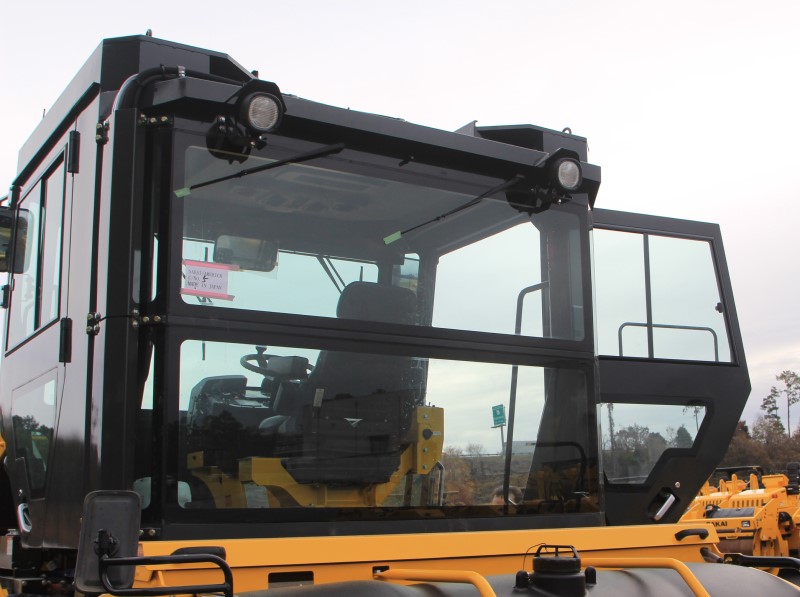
x,y
260,365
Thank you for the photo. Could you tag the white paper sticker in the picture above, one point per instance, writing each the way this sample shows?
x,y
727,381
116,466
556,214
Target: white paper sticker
x,y
207,279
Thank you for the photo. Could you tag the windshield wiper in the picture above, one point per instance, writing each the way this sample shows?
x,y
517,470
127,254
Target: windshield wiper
x,y
330,269
295,159
395,236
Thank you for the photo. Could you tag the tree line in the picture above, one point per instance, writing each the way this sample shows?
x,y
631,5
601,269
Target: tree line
x,y
769,443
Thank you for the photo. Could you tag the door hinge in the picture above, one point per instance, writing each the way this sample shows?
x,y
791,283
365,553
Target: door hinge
x,y
5,296
73,152
65,341
93,323
101,133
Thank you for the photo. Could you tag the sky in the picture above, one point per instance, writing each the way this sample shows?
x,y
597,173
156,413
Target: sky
x,y
689,107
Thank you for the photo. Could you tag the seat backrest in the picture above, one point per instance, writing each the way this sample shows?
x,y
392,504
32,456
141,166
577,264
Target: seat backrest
x,y
360,374
375,302
357,407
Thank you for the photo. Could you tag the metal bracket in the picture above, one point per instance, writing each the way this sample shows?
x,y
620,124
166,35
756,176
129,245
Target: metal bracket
x,y
138,320
155,121
93,320
101,133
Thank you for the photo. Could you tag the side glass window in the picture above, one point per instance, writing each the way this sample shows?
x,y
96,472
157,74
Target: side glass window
x,y
35,299
288,428
524,280
22,313
633,436
490,308
657,297
50,279
143,446
33,413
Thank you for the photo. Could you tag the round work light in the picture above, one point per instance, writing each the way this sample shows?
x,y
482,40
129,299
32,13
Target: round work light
x,y
261,112
567,173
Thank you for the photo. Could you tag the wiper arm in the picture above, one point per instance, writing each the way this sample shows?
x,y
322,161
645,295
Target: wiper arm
x,y
395,236
295,159
330,269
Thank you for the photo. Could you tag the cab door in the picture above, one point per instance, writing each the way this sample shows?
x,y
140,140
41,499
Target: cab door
x,y
43,397
672,370
33,363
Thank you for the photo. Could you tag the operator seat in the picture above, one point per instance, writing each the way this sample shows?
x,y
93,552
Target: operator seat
x,y
358,374
346,373
314,426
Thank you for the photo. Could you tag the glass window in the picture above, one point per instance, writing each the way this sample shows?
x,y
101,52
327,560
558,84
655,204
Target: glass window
x,y
686,301
634,436
310,284
289,239
22,313
36,291
677,278
33,412
51,246
488,307
280,427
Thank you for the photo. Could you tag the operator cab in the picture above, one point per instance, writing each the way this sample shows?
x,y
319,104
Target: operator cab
x,y
302,319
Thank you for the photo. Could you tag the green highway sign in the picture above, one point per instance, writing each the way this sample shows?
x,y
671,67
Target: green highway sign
x,y
499,415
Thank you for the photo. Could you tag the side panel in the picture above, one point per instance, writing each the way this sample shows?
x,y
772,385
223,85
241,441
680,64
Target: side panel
x,y
297,563
115,389
673,376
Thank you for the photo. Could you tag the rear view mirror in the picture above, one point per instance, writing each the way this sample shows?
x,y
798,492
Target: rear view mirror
x,y
7,219
248,253
108,545
111,523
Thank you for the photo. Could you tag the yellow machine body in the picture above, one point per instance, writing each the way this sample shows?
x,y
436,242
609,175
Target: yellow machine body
x,y
757,516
